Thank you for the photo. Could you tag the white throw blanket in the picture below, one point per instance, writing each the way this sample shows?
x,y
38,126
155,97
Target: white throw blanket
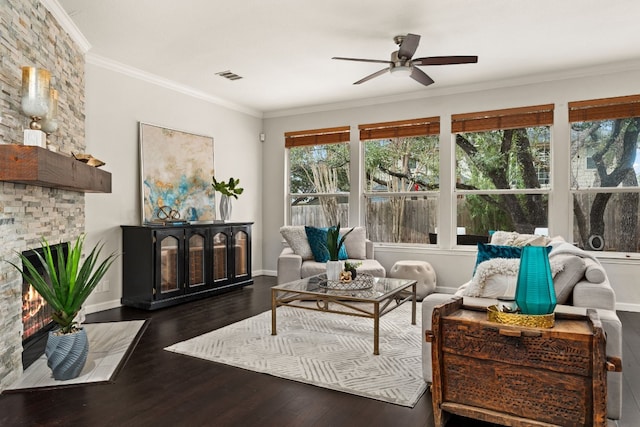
x,y
562,247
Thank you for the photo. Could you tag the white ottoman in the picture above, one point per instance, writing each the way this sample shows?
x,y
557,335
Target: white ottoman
x,y
420,271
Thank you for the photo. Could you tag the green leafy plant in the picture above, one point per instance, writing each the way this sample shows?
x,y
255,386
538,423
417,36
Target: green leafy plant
x,y
66,282
229,188
351,265
335,241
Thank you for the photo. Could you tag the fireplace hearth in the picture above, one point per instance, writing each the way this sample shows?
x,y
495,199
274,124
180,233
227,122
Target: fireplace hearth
x,y
36,312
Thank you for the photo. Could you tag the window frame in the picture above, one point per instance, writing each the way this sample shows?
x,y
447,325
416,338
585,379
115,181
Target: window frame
x,y
420,127
500,120
312,138
593,110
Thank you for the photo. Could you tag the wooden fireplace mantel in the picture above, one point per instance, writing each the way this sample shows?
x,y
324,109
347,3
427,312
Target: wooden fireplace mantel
x,y
33,165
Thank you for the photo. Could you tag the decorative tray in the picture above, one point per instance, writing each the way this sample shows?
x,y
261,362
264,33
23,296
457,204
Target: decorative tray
x,y
362,281
519,319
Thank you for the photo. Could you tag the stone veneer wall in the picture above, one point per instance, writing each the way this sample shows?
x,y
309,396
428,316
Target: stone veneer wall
x,y
30,36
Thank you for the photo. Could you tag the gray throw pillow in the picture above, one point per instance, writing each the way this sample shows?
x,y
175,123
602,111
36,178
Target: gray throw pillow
x,y
296,238
355,242
566,279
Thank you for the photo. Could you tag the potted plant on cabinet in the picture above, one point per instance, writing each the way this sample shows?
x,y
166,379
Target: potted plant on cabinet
x,y
227,189
65,285
334,244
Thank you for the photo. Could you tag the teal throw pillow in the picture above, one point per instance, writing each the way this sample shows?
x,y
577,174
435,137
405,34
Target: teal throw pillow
x,y
317,238
487,251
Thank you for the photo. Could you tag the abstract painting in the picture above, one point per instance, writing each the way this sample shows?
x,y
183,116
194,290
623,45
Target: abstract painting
x,y
176,169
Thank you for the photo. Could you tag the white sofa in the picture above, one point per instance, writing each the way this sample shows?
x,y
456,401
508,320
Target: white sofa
x,y
580,283
296,259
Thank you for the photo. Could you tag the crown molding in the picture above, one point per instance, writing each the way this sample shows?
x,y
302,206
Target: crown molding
x,y
574,73
65,21
67,24
136,73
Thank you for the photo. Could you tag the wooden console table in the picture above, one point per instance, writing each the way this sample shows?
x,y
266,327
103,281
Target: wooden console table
x,y
518,376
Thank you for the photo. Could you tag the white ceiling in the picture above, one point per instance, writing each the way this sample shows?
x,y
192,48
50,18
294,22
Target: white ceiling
x,y
283,48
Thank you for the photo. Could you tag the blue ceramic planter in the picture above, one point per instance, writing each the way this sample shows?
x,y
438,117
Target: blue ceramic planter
x,y
67,354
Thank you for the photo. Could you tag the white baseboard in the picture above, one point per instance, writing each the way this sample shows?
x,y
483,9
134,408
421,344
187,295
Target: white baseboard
x,y
94,308
627,307
272,273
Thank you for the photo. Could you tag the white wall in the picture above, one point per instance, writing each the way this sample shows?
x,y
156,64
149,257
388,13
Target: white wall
x,y
454,266
115,104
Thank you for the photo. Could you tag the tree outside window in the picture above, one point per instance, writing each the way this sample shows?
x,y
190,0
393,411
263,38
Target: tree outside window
x,y
604,173
409,168
401,176
319,176
503,169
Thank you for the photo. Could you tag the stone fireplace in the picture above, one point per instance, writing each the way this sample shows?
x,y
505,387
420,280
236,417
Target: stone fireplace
x,y
28,213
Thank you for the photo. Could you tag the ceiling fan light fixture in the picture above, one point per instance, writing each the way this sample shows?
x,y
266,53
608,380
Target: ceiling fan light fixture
x,y
401,71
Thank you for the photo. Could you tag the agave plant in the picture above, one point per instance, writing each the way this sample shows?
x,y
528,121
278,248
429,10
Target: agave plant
x,y
335,241
66,282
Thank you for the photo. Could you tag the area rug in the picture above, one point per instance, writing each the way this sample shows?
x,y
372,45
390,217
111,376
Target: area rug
x,y
323,349
110,344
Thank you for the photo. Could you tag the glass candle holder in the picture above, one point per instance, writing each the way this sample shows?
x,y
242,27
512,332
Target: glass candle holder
x,y
49,123
35,94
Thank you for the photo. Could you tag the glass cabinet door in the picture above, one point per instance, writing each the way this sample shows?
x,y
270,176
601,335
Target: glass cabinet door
x,y
196,260
220,261
169,264
241,252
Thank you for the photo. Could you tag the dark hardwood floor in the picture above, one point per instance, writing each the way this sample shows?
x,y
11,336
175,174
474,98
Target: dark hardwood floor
x,y
160,388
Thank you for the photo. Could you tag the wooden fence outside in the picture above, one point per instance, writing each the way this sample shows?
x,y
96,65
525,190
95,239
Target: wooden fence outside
x,y
421,216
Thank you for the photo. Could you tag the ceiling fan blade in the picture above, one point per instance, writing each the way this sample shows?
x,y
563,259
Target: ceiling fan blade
x,y
408,46
420,76
379,61
371,76
445,60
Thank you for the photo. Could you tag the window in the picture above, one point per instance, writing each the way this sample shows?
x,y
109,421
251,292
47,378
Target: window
x,y
502,165
401,179
318,176
604,173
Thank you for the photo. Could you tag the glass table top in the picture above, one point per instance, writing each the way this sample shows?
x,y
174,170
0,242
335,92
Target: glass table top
x,y
380,289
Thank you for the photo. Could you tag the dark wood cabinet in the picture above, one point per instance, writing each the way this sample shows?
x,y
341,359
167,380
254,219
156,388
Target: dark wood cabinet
x,y
167,265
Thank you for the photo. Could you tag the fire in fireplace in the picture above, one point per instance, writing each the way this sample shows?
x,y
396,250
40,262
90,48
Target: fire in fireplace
x,y
36,313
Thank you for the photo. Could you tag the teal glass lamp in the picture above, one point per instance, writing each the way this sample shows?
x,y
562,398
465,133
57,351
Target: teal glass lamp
x,y
535,293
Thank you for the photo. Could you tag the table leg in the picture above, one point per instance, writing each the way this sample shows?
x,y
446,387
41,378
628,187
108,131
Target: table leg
x,y
274,305
413,303
376,328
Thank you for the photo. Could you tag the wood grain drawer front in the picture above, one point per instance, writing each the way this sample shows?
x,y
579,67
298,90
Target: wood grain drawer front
x,y
535,394
550,351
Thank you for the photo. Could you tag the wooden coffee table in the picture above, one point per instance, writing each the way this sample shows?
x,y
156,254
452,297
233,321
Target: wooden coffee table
x,y
518,376
383,296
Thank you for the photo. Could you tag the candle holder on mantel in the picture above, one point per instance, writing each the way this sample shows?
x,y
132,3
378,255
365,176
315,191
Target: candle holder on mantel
x,y
35,103
49,123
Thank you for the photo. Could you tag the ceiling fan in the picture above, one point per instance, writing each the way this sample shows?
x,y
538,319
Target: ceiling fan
x,y
401,62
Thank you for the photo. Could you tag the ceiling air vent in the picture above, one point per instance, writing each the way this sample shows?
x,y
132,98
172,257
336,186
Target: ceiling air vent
x,y
229,75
